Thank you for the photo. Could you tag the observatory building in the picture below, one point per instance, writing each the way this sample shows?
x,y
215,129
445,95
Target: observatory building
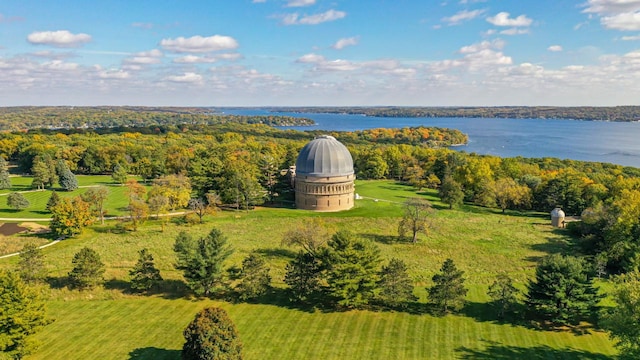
x,y
324,176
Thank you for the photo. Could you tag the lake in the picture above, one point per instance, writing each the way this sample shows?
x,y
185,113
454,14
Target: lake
x,y
601,141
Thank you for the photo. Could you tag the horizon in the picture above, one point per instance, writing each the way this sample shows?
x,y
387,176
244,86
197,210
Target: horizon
x,y
303,53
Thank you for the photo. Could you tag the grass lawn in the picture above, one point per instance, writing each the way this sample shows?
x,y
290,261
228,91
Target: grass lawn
x,y
110,323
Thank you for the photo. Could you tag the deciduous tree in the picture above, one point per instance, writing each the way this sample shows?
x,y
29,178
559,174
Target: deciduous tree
x,y
416,218
119,174
96,197
450,192
623,320
70,216
211,336
448,291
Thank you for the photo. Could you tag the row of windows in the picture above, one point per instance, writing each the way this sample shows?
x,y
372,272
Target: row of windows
x,y
323,189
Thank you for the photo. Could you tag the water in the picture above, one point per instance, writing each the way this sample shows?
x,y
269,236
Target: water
x,y
612,142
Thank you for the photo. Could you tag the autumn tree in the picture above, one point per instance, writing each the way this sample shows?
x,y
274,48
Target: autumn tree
x,y
70,216
17,201
255,280
88,269
395,284
450,192
211,335
352,269
416,218
22,314
311,237
510,195
562,292
144,274
448,291
96,196
623,320
5,181
31,265
201,260
176,188
137,208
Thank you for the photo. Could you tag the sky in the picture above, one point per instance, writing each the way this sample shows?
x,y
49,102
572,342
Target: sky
x,y
320,52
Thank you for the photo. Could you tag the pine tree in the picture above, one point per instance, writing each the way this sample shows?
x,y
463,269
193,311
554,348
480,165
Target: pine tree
x,y
623,320
67,179
22,314
352,269
144,274
17,201
54,200
211,336
119,174
31,266
255,280
503,294
5,181
87,269
201,261
303,276
448,291
396,287
562,291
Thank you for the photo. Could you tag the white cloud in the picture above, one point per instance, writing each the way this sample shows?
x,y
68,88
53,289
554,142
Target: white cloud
x,y
329,15
555,48
630,38
461,16
504,19
514,31
624,21
199,44
300,3
344,42
192,59
497,44
145,57
60,38
611,6
310,58
188,77
259,1
114,74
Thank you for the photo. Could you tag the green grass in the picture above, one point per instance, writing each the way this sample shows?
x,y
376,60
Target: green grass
x,y
109,323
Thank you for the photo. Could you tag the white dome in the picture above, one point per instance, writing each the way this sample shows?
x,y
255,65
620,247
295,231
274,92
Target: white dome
x,y
557,213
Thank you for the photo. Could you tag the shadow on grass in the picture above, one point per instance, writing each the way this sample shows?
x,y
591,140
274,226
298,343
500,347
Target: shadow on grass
x,y
488,312
57,282
566,245
281,298
496,351
277,253
153,353
384,239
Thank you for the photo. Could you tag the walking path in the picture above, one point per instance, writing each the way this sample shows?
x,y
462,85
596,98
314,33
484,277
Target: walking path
x,y
40,247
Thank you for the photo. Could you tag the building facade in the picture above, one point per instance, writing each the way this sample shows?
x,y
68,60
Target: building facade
x,y
324,176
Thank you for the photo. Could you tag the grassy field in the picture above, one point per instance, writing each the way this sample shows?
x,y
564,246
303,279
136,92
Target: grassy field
x,y
110,323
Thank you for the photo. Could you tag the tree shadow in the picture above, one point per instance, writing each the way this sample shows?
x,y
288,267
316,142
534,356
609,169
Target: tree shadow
x,y
277,252
110,229
566,245
384,239
496,351
57,282
281,298
488,312
117,284
154,353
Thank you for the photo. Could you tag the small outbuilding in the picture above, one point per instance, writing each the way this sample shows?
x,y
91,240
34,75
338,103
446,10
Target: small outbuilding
x,y
557,218
324,176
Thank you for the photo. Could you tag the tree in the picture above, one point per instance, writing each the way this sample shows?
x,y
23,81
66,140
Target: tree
x,y
17,201
255,280
54,200
88,269
22,314
352,269
211,336
201,260
503,294
96,197
199,207
448,290
176,188
509,194
303,276
138,209
31,266
311,237
70,216
159,204
450,192
416,218
5,181
144,274
67,179
119,174
44,172
562,291
396,287
623,320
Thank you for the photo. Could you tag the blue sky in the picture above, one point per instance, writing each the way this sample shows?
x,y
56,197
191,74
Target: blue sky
x,y
320,52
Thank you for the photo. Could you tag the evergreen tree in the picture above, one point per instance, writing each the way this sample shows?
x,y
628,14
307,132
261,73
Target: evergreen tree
x,y
303,276
450,192
17,201
54,200
352,269
119,174
22,314
396,287
31,266
447,292
255,280
201,260
87,269
5,181
144,274
562,291
67,179
623,320
211,336
44,172
503,294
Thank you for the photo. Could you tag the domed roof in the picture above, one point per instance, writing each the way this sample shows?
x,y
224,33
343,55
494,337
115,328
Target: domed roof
x,y
557,213
324,156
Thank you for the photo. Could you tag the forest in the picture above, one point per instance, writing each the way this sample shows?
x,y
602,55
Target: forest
x,y
595,113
